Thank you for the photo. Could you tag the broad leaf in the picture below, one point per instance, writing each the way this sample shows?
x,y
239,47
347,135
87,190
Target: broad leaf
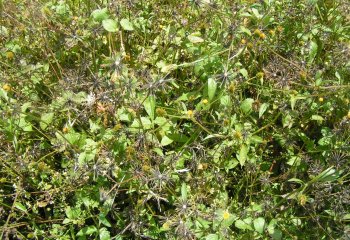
x,y
110,25
126,25
212,85
259,224
246,105
100,14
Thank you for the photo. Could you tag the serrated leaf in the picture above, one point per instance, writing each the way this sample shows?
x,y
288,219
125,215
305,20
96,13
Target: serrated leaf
x,y
150,106
263,109
146,123
104,234
259,224
243,224
212,85
243,152
110,25
126,25
225,100
246,105
45,120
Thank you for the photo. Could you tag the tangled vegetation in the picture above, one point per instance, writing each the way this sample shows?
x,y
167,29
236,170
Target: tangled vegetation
x,y
164,119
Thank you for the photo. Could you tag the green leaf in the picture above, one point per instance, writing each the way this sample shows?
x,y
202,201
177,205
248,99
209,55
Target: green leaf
x,y
257,139
231,164
110,25
245,30
346,217
246,105
26,126
212,237
195,39
100,14
275,233
104,234
166,141
150,106
203,223
262,109
259,224
328,175
225,101
126,25
168,68
296,180
244,224
87,231
102,219
45,120
287,121
243,152
244,72
212,85
317,118
256,13
146,123
313,51
178,137
20,206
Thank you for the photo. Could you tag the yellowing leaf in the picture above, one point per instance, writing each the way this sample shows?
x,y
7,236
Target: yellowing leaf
x,y
195,39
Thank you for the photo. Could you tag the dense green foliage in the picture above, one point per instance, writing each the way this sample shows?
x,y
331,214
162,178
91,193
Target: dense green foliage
x,y
165,119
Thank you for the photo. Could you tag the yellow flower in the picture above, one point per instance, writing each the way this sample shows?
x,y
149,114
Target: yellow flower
x,y
321,99
257,32
302,199
10,55
262,35
303,75
6,87
260,75
348,115
205,101
160,111
190,113
243,41
65,129
237,135
232,87
226,215
117,127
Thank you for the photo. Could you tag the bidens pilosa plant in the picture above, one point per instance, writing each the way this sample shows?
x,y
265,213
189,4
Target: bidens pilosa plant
x,y
164,119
